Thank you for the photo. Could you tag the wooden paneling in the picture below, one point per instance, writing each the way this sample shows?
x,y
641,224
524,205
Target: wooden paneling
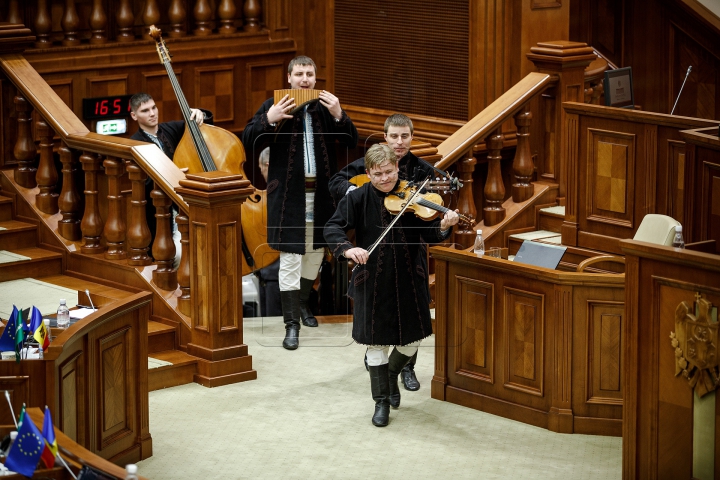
x,y
157,84
702,185
604,378
475,338
72,396
229,280
214,90
106,85
19,389
262,79
611,167
524,325
201,258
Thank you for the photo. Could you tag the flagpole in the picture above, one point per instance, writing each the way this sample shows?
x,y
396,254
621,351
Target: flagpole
x,y
12,412
67,467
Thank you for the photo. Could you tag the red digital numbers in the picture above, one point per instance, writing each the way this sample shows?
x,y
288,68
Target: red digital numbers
x,y
116,106
101,108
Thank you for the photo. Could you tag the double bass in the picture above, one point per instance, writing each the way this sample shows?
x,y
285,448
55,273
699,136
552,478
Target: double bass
x,y
207,148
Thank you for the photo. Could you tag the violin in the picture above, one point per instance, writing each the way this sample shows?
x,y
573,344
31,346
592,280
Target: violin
x,y
445,185
426,206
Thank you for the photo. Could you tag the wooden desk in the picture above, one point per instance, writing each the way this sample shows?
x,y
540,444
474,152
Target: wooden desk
x,y
531,344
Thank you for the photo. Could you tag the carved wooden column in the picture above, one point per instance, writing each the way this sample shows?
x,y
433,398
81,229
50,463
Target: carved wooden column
x,y
98,23
226,13
466,200
568,61
216,276
138,233
92,222
115,228
125,21
70,24
183,271
494,212
151,15
47,175
43,25
523,166
178,15
163,247
14,13
24,150
203,14
70,201
253,11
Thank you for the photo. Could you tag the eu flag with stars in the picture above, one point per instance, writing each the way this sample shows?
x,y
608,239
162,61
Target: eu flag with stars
x,y
25,451
7,341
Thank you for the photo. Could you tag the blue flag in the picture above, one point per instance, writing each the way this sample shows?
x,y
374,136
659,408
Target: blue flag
x,y
25,451
7,341
35,320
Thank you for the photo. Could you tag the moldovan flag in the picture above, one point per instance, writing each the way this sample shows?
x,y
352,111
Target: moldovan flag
x,y
7,340
37,327
51,446
25,451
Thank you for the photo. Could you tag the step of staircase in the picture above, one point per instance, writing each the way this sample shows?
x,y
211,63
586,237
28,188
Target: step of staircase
x,y
6,209
15,234
181,370
161,337
30,262
551,218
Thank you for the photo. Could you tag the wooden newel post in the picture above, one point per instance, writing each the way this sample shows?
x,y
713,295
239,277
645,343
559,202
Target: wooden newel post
x,y
214,199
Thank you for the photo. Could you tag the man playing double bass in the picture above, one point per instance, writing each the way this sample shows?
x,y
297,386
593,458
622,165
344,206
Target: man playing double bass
x,y
302,160
389,285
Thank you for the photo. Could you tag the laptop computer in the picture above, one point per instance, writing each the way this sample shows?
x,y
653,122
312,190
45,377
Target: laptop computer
x,y
540,254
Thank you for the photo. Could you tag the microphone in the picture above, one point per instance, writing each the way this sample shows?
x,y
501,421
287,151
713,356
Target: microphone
x,y
681,89
87,292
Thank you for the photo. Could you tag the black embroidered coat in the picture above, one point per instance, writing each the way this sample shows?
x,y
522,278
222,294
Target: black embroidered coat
x,y
391,300
286,174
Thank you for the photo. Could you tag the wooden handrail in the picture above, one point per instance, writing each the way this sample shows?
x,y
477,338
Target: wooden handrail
x,y
76,135
492,117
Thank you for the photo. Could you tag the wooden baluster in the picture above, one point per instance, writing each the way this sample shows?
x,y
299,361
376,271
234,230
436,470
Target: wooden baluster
x,y
47,175
24,150
163,247
203,15
70,24
226,12
92,222
466,200
125,21
523,166
177,16
252,11
98,23
494,212
138,233
70,201
14,13
115,225
598,90
43,25
151,15
183,271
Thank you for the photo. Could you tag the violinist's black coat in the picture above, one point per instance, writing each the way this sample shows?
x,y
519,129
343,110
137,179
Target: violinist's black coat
x,y
391,300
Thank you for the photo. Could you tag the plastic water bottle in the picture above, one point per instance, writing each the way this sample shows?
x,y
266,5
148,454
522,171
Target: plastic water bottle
x,y
678,241
63,315
479,247
131,472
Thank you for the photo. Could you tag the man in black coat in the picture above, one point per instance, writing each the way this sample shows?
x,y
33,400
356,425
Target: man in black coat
x,y
398,135
302,160
389,285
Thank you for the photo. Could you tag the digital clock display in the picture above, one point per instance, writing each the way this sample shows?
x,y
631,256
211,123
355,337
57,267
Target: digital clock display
x,y
106,107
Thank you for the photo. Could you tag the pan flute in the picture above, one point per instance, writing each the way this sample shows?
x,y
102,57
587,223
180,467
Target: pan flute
x,y
302,96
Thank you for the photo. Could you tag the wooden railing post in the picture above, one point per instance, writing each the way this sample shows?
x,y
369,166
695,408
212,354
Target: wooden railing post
x,y
466,200
125,20
494,212
70,201
92,222
183,271
70,24
115,228
47,175
216,324
203,14
14,12
138,234
253,11
177,14
24,150
226,13
163,247
151,16
43,25
98,23
523,166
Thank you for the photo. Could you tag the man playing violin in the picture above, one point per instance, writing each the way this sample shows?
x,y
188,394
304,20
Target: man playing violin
x,y
389,284
302,160
398,135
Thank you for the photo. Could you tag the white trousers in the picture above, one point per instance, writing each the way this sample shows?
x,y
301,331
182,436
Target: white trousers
x,y
293,265
378,354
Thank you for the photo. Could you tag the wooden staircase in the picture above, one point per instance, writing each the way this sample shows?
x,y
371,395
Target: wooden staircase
x,y
19,236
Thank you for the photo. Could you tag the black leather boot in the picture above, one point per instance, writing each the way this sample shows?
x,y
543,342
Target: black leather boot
x,y
396,363
308,319
380,391
409,380
291,316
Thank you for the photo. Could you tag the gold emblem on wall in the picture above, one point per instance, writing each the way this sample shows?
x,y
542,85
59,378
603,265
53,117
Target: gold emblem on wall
x,y
695,340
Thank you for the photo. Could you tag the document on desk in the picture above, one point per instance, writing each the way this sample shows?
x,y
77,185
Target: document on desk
x,y
81,312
